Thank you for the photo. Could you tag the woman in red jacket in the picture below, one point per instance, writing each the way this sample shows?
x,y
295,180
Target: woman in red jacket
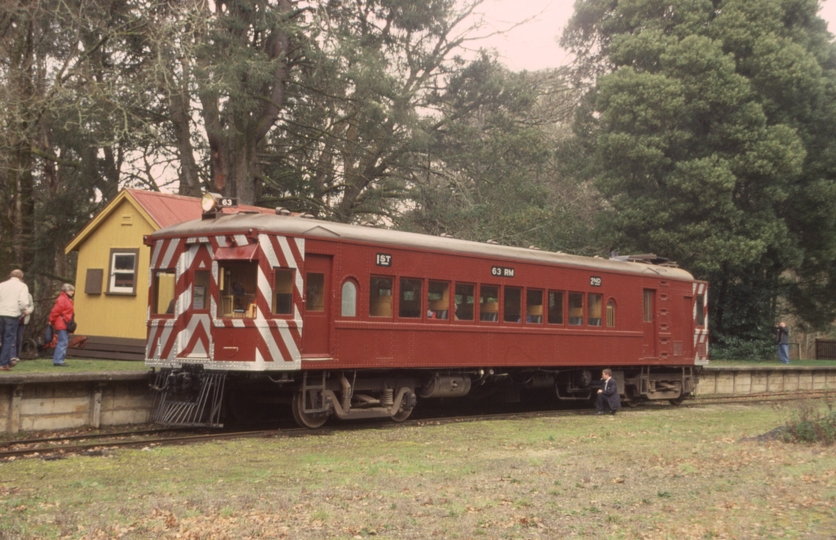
x,y
61,313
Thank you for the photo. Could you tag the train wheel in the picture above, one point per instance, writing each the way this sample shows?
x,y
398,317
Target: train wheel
x,y
308,420
678,401
632,403
402,414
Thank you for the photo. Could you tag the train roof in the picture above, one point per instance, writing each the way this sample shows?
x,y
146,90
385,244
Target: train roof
x,y
329,230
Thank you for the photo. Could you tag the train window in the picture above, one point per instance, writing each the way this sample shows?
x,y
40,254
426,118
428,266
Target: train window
x,y
315,292
380,297
555,307
700,310
512,305
438,300
611,314
162,302
349,300
283,291
200,295
465,297
489,303
238,286
534,307
575,309
647,311
409,305
595,304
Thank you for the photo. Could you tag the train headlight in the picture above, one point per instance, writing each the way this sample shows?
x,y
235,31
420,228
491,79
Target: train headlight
x,y
209,202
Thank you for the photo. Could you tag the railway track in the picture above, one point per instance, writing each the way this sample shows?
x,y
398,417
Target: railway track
x,y
93,444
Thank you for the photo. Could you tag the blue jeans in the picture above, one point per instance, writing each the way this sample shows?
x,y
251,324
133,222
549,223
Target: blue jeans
x,y
784,353
61,347
8,329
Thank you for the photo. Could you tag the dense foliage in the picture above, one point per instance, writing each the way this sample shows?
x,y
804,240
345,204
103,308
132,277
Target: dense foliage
x,y
712,129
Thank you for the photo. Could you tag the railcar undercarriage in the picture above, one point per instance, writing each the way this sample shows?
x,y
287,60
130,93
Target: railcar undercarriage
x,y
192,396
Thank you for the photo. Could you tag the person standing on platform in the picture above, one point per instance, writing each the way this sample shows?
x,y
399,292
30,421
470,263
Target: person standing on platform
x,y
21,328
14,304
782,339
62,312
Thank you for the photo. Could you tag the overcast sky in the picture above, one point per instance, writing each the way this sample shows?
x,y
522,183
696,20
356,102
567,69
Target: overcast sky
x,y
534,46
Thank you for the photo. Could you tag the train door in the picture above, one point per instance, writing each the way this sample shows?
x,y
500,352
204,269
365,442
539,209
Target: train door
x,y
316,333
649,323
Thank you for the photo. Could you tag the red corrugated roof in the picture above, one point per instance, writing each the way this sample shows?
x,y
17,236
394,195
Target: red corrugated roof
x,y
168,209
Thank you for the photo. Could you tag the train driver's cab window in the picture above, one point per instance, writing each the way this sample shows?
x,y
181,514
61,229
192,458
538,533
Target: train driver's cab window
x,y
410,300
162,302
380,297
465,298
438,300
555,307
238,281
700,310
283,291
575,309
200,291
512,305
349,300
489,303
534,307
611,314
595,304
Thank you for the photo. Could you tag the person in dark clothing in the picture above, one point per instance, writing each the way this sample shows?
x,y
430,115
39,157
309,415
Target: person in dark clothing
x,y
782,339
608,400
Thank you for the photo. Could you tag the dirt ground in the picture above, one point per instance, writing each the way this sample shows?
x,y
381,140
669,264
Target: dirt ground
x,y
706,471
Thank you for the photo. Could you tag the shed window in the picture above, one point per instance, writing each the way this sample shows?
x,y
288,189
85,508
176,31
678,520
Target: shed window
x,y
122,273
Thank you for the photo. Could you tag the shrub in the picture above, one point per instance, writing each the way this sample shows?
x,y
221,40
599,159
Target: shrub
x,y
808,423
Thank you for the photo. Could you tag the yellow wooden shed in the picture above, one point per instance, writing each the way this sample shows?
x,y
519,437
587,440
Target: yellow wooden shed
x,y
111,297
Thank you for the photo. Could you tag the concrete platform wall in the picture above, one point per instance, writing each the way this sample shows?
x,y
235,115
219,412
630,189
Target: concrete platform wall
x,y
757,380
40,403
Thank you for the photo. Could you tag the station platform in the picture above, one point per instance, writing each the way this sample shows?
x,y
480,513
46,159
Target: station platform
x,y
36,401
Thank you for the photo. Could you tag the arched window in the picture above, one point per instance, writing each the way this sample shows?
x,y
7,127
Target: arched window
x,y
349,299
611,314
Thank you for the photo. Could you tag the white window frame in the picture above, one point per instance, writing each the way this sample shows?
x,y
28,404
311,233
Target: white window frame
x,y
112,288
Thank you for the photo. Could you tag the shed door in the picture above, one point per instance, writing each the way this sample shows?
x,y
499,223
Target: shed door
x,y
649,323
316,332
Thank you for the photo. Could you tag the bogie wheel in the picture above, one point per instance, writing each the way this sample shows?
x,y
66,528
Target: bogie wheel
x,y
678,401
632,403
402,414
308,420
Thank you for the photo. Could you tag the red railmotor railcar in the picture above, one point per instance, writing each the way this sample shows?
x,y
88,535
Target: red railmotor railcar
x,y
250,310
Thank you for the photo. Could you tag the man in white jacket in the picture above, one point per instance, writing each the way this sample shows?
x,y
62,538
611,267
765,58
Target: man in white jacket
x,y
14,303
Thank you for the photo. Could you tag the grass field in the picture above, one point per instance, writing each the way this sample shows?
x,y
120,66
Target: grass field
x,y
654,472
